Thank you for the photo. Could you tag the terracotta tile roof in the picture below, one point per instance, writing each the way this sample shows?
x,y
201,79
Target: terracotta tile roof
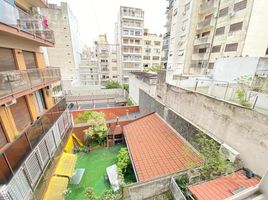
x,y
156,150
221,188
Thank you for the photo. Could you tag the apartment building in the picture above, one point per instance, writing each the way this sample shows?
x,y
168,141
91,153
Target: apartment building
x,y
166,37
107,61
212,29
27,108
151,49
130,28
66,53
89,73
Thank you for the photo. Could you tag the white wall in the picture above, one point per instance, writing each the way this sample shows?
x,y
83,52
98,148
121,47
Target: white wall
x,y
228,69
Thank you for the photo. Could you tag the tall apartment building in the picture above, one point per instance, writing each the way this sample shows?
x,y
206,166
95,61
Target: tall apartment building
x,y
66,53
151,49
27,109
107,61
203,31
129,31
166,37
89,73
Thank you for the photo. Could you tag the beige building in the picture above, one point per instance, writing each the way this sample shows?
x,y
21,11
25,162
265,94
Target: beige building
x,y
151,49
129,35
106,55
212,29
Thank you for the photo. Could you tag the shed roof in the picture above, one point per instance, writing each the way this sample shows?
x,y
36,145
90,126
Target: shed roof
x,y
156,149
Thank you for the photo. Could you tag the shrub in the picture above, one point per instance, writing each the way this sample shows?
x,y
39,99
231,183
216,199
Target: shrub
x,y
241,94
129,102
126,87
110,195
112,84
89,193
123,161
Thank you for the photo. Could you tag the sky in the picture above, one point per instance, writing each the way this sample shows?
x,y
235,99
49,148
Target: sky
x,y
97,17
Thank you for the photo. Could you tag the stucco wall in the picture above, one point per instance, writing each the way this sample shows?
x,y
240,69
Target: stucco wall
x,y
243,129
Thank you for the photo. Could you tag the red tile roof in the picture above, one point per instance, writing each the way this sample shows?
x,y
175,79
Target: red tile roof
x,y
221,188
156,149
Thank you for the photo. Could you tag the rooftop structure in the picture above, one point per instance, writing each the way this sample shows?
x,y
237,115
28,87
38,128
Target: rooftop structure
x,y
223,187
156,149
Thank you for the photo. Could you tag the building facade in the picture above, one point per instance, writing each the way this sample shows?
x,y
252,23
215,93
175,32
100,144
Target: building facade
x,y
151,49
208,30
130,29
66,53
107,62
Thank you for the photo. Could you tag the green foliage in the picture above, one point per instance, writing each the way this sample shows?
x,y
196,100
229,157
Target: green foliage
x,y
126,87
89,193
129,102
83,149
152,69
97,123
110,195
216,162
112,84
123,161
182,182
241,94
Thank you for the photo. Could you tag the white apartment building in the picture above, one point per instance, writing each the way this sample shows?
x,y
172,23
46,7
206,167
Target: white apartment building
x,y
106,55
129,31
152,49
66,53
204,30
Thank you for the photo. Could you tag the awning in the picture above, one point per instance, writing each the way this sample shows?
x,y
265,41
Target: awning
x,y
56,188
66,165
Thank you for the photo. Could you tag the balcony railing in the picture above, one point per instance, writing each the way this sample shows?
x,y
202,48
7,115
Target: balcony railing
x,y
16,81
205,23
13,157
201,40
32,24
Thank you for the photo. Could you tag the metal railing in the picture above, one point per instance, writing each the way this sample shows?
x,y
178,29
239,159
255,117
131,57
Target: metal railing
x,y
32,24
12,157
205,23
20,80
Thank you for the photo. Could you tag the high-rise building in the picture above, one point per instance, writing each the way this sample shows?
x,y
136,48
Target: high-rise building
x,y
66,53
151,49
106,55
130,28
203,31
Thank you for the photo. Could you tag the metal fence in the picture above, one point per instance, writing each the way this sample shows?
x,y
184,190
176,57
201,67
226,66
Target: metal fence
x,y
19,80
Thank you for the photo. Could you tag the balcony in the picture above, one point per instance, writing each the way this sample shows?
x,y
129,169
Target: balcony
x,y
132,15
137,44
37,3
205,24
206,7
25,159
202,40
14,84
18,23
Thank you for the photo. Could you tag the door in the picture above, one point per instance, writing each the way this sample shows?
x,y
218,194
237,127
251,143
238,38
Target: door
x,y
21,114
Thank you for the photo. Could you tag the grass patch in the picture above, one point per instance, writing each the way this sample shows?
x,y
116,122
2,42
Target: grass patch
x,y
95,164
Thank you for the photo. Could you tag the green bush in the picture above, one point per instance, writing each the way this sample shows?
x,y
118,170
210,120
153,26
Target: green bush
x,y
241,94
123,161
110,195
112,84
129,102
126,87
89,193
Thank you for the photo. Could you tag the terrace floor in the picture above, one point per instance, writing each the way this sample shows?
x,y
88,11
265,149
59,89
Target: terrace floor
x,y
95,164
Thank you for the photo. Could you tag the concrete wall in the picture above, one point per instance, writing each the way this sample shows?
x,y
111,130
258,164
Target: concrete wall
x,y
264,184
84,90
243,129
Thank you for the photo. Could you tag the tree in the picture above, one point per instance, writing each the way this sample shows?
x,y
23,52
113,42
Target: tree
x,y
112,84
123,161
97,123
152,69
216,162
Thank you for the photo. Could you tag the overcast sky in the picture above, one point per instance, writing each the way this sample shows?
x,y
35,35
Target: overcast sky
x,y
99,16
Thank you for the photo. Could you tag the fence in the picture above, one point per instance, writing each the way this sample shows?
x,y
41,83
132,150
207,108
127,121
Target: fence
x,y
20,80
26,177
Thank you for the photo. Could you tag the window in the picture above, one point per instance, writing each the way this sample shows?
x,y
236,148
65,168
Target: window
x,y
231,47
236,27
211,65
186,7
147,42
202,50
40,100
147,50
156,50
266,52
240,5
223,12
220,31
156,57
206,34
216,49
175,12
181,53
157,43
114,76
146,58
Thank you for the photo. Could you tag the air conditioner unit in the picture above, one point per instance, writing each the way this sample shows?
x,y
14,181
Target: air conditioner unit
x,y
231,11
13,101
229,152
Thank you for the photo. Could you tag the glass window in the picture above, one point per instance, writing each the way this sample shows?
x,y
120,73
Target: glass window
x,y
236,27
231,47
40,100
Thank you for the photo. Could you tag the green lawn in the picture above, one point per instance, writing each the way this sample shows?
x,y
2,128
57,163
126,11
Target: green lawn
x,y
95,164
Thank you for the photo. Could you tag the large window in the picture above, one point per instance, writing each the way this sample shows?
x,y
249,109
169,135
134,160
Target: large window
x,y
40,100
146,57
223,12
147,42
231,47
156,58
220,31
236,27
240,5
216,49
